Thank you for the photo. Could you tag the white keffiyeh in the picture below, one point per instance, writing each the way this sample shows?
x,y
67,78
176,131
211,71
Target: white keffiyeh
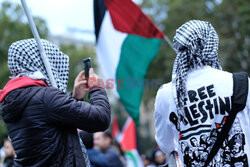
x,y
196,45
24,60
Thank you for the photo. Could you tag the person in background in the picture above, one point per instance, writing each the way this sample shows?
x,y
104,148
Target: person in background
x,y
103,141
158,158
147,160
42,121
116,145
9,153
96,157
2,155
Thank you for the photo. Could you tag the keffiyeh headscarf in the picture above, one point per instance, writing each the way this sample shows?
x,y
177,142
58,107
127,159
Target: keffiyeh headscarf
x,y
196,44
24,60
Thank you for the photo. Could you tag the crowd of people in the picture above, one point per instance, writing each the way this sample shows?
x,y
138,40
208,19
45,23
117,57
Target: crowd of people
x,y
102,150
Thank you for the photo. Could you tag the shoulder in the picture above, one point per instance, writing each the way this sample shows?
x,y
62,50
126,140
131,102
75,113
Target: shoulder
x,y
164,93
51,93
208,73
164,102
248,98
222,74
113,156
165,90
53,97
41,91
35,92
249,88
111,152
95,153
52,90
219,74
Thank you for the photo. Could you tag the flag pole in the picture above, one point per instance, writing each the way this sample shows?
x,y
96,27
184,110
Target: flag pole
x,y
39,44
168,41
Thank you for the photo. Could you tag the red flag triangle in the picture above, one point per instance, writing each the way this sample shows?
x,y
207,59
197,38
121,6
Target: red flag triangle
x,y
128,136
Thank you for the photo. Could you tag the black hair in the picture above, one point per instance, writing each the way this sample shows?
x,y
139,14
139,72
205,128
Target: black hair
x,y
107,134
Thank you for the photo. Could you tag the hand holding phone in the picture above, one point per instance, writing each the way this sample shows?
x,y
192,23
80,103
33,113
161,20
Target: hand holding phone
x,y
81,81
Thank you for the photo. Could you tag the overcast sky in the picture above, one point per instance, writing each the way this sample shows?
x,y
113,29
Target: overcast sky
x,y
63,14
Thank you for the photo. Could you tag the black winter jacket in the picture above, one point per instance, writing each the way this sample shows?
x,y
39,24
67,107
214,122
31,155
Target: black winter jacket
x,y
42,123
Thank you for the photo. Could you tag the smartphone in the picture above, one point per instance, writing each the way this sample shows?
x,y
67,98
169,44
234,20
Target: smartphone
x,y
87,66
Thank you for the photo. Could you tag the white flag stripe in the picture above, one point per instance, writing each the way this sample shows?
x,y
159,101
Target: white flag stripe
x,y
109,47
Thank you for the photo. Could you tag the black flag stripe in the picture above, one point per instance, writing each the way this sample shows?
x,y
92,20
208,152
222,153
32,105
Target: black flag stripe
x,y
99,12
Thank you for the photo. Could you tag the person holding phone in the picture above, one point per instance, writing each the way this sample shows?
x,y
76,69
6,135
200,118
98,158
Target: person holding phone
x,y
42,121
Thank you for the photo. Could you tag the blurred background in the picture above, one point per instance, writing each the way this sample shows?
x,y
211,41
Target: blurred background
x,y
70,24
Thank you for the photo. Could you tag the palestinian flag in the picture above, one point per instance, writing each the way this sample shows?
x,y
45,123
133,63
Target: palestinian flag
x,y
126,43
128,144
115,128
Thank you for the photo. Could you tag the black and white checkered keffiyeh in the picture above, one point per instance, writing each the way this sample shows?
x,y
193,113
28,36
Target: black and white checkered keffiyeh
x,y
24,60
196,45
